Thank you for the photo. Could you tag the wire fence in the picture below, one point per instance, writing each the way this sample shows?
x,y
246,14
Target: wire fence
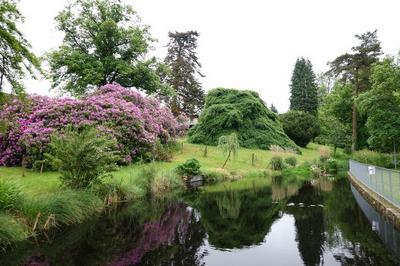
x,y
385,182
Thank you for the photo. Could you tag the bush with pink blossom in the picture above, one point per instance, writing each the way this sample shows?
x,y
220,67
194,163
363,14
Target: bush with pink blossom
x,y
136,121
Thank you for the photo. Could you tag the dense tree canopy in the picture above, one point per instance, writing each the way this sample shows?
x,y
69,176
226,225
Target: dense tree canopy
x,y
355,69
185,69
382,107
242,112
303,88
16,59
300,126
104,42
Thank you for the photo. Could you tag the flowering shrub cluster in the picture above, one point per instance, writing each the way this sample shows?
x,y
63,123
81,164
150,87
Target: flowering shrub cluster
x,y
136,121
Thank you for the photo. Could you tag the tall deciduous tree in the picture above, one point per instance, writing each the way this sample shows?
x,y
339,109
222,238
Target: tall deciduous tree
x,y
104,42
303,88
355,68
382,107
16,59
185,69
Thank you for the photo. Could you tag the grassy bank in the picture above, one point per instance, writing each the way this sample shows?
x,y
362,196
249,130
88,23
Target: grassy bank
x,y
41,203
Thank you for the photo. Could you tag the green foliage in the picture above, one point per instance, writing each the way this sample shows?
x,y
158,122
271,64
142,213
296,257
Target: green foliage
x,y
303,88
184,64
146,178
164,186
16,58
300,126
229,145
190,168
277,163
11,231
302,172
10,195
292,161
242,112
103,43
82,158
355,69
65,207
332,166
381,107
372,157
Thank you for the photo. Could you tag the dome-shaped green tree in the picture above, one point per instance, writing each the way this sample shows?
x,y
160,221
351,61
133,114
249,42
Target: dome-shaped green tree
x,y
242,112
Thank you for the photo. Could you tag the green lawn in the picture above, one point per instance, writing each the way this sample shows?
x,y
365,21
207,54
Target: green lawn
x,y
35,184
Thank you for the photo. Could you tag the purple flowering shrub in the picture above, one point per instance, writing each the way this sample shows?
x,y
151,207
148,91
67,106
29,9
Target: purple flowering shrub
x,y
136,121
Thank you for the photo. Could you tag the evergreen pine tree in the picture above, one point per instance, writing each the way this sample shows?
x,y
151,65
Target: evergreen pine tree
x,y
303,88
355,69
185,69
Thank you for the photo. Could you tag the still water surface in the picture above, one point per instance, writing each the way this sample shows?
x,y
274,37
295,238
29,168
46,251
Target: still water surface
x,y
324,222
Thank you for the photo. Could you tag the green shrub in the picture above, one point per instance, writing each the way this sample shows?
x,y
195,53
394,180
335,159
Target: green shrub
x,y
372,157
292,161
300,126
276,163
83,158
332,166
10,195
162,152
11,231
190,168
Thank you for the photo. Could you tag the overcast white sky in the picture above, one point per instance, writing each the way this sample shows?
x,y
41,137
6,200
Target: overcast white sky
x,y
243,44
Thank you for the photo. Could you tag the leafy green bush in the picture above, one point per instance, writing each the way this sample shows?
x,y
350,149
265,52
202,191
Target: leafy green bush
x,y
332,166
292,161
372,157
242,112
10,195
277,163
83,158
190,168
300,126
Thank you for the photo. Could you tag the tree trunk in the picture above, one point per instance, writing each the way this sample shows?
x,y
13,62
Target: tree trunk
x,y
227,158
354,125
355,115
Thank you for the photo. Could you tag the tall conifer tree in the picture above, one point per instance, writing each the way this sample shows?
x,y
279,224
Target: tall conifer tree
x,y
303,88
185,70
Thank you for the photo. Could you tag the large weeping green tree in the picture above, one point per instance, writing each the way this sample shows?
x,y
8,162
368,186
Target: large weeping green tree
x,y
16,59
303,87
104,42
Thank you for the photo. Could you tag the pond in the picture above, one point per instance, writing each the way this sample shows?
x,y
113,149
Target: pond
x,y
323,222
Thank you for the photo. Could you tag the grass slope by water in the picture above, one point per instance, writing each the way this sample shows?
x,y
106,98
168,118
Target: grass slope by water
x,y
41,192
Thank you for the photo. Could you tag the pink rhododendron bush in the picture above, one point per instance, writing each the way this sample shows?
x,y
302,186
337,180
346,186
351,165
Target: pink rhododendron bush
x,y
138,123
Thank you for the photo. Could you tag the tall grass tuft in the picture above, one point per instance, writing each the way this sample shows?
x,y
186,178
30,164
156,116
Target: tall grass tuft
x,y
62,208
10,195
11,231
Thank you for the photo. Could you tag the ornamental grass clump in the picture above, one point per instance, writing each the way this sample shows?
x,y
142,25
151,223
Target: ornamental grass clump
x,y
276,163
65,207
11,231
83,158
137,122
10,195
